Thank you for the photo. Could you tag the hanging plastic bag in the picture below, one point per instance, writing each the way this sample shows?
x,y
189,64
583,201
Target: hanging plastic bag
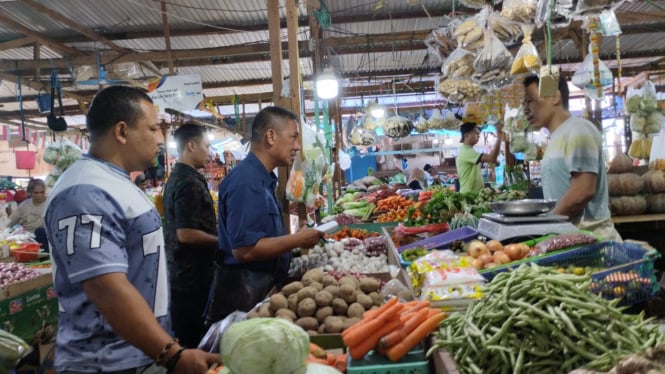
x,y
460,90
440,42
492,64
295,187
469,34
506,30
523,11
526,59
609,24
518,142
584,76
459,65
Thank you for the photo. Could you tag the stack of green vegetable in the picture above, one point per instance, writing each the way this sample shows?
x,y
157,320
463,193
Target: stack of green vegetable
x,y
535,320
446,205
348,204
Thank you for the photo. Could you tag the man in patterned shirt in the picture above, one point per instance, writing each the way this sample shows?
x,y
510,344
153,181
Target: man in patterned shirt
x,y
107,248
191,234
573,166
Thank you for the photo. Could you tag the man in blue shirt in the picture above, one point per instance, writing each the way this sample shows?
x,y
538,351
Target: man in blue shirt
x,y
107,247
254,247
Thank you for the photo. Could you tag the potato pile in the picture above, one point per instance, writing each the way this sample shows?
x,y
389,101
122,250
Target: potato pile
x,y
320,303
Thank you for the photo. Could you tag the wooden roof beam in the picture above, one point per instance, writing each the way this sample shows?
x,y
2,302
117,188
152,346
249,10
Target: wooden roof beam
x,y
17,43
22,29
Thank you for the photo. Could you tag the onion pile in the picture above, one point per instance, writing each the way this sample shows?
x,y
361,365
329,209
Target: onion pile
x,y
14,272
375,246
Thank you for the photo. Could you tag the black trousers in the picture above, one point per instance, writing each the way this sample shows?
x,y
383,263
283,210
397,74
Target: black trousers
x,y
236,288
188,315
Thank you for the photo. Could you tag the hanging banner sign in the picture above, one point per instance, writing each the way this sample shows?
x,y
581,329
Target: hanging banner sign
x,y
179,92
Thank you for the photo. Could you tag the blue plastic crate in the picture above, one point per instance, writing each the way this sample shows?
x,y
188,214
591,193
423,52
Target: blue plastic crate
x,y
444,240
628,269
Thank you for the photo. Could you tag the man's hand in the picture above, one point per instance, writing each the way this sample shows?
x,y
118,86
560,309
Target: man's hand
x,y
195,361
499,130
309,237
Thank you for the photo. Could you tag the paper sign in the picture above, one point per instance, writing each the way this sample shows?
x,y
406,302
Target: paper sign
x,y
179,92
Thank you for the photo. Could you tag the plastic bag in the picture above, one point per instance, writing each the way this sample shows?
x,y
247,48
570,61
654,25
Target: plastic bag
x,y
506,30
295,187
459,65
460,90
454,292
518,142
452,276
523,11
514,119
526,59
395,288
440,42
609,24
492,64
584,76
562,241
469,34
212,339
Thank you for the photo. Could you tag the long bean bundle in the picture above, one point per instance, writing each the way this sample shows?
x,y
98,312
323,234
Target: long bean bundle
x,y
534,320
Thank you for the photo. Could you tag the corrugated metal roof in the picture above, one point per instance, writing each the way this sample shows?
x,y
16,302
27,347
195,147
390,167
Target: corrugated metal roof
x,y
383,61
192,42
27,53
385,26
242,71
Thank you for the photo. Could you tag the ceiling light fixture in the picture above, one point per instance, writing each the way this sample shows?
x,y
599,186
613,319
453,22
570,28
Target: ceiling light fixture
x,y
327,86
376,110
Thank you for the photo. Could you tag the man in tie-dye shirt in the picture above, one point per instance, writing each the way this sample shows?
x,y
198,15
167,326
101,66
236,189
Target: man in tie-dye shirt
x,y
573,166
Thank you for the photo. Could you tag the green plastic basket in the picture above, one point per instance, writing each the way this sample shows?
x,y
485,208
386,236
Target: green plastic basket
x,y
415,362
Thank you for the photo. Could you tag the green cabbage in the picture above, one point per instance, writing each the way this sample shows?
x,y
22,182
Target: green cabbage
x,y
266,346
314,368
225,370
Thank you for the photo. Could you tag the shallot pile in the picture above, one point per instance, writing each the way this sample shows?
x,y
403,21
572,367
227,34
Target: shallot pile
x,y
14,272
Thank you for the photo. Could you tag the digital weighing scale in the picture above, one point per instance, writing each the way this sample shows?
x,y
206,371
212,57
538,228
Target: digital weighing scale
x,y
501,227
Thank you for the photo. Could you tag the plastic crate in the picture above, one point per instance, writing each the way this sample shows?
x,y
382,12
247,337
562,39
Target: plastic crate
x,y
628,269
465,234
415,362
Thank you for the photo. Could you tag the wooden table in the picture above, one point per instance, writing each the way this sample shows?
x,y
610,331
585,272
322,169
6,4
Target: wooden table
x,y
638,218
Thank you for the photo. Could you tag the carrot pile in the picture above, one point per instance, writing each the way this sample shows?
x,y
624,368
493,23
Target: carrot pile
x,y
321,356
346,232
393,329
393,203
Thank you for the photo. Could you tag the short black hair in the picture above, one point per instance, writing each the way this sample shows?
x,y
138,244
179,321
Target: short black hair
x,y
427,167
114,104
35,182
264,120
563,88
187,132
139,179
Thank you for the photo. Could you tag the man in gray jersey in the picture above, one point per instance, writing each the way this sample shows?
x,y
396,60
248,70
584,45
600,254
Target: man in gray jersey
x,y
107,246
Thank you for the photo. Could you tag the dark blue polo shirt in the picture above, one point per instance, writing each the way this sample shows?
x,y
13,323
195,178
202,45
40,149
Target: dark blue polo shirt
x,y
249,211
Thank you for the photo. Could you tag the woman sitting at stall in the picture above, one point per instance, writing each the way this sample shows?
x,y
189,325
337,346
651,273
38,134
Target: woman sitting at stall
x,y
30,213
416,179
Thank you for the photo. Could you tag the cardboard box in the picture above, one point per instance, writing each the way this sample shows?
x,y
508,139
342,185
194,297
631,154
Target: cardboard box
x,y
32,316
20,288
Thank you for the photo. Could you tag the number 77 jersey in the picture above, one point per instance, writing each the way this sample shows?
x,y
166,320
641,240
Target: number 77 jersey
x,y
99,222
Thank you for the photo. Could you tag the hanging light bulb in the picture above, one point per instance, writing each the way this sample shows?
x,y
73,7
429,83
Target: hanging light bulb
x,y
327,86
376,110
